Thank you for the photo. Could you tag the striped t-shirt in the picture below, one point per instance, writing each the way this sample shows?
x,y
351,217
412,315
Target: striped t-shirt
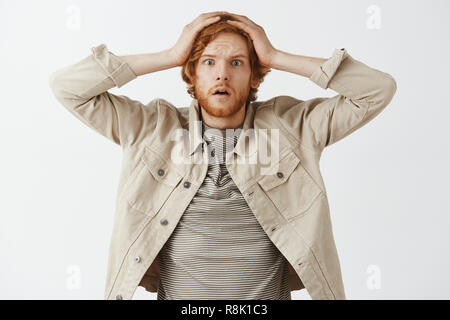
x,y
218,249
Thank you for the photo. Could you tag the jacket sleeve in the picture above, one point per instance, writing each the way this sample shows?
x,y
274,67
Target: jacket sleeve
x,y
363,92
82,88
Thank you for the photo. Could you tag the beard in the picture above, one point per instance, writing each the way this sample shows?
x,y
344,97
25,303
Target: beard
x,y
224,108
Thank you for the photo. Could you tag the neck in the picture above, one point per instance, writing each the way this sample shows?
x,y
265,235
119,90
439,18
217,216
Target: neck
x,y
232,122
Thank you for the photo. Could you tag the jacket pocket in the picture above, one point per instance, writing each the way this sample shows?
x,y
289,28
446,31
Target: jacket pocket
x,y
152,185
291,189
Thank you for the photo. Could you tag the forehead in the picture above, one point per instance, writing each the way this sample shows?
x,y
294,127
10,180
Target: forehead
x,y
228,44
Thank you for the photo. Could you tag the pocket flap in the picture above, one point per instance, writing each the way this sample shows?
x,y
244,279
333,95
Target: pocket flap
x,y
286,166
160,169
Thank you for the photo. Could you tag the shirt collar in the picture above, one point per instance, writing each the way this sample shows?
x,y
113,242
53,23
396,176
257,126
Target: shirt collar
x,y
196,139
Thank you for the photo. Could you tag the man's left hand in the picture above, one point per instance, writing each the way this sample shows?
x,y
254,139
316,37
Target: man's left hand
x,y
264,49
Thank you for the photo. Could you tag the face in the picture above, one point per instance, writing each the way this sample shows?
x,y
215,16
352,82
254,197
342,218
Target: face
x,y
224,63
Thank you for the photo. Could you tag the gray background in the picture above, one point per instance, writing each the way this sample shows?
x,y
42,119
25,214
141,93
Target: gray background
x,y
387,183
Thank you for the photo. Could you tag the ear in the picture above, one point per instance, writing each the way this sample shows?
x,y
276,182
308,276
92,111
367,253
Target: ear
x,y
254,84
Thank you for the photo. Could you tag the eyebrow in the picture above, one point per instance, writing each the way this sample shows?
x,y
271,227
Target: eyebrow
x,y
236,56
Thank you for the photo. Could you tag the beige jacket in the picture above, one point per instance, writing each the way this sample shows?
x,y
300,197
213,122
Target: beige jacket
x,y
287,195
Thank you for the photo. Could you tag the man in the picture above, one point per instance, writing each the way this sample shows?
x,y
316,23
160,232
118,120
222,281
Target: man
x,y
235,226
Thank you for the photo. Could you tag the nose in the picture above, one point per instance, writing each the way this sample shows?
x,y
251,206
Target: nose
x,y
222,71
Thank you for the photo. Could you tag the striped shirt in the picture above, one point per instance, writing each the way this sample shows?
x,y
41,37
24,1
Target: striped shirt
x,y
218,249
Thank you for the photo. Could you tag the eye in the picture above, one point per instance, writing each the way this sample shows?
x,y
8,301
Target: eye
x,y
206,60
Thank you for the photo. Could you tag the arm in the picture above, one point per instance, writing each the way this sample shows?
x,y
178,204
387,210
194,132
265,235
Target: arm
x,y
301,65
82,88
363,92
149,62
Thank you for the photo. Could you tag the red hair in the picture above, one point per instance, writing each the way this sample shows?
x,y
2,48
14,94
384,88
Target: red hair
x,y
208,34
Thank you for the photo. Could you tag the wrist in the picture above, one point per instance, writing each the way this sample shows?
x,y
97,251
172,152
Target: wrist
x,y
172,56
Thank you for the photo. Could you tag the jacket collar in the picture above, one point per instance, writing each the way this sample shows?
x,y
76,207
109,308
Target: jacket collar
x,y
196,139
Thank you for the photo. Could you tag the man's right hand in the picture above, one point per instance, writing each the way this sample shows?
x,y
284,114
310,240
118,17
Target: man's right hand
x,y
175,56
182,48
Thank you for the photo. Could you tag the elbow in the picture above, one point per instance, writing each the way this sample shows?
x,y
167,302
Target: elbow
x,y
383,92
58,87
53,83
389,88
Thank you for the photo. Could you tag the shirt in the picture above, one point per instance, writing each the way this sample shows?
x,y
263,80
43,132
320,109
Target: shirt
x,y
218,249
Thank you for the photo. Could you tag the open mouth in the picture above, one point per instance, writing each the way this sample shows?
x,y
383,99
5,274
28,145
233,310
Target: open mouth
x,y
221,92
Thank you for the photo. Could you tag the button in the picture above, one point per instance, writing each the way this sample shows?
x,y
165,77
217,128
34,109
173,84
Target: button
x,y
186,184
137,258
280,175
118,297
213,152
163,221
161,172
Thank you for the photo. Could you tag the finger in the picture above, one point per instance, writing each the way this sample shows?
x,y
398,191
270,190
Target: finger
x,y
243,19
204,17
212,14
211,20
244,27
240,24
208,21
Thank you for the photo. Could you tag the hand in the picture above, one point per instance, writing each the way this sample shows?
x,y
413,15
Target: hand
x,y
264,49
182,48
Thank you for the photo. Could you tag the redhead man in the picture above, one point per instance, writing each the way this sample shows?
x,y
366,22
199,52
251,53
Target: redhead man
x,y
233,226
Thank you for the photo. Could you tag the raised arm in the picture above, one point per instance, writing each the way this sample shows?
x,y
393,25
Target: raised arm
x,y
150,62
82,88
363,92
